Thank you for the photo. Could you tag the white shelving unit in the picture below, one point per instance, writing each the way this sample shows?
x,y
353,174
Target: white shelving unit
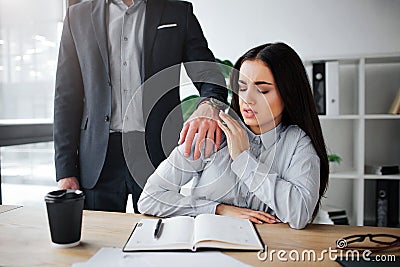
x,y
363,132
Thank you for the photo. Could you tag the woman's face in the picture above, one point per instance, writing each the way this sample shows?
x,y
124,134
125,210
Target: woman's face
x,y
260,103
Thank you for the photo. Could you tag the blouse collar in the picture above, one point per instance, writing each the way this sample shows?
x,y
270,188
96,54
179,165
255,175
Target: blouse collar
x,y
268,138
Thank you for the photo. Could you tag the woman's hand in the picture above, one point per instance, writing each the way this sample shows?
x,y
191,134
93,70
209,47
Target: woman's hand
x,y
254,216
236,136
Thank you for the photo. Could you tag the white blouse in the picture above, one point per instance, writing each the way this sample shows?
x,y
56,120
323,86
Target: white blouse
x,y
278,174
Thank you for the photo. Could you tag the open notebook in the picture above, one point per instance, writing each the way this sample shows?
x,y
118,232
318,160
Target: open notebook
x,y
189,233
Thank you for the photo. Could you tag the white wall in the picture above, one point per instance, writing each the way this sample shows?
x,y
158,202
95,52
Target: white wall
x,y
314,28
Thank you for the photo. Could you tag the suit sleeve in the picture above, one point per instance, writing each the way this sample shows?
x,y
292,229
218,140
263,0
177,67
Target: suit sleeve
x,y
200,63
68,105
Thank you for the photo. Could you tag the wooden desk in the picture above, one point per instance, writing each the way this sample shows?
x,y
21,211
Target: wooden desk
x,y
25,238
5,208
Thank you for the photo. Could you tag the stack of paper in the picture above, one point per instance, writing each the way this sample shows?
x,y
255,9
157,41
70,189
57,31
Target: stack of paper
x,y
115,257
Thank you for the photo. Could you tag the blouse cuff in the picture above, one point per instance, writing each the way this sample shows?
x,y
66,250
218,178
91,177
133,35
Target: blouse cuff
x,y
244,166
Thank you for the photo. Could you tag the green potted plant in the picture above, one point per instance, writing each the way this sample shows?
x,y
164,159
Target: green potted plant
x,y
189,105
334,161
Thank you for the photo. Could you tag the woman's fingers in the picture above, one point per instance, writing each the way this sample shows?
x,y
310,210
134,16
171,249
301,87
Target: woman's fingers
x,y
268,217
254,216
224,128
260,216
261,220
254,220
230,122
228,135
272,217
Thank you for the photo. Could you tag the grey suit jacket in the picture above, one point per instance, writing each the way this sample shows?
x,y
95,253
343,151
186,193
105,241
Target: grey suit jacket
x,y
82,103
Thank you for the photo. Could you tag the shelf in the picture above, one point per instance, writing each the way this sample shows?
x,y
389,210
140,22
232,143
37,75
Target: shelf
x,y
339,117
356,117
382,117
381,177
361,131
383,60
342,60
355,59
344,175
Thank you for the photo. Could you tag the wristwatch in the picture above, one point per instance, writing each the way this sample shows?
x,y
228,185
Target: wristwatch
x,y
215,103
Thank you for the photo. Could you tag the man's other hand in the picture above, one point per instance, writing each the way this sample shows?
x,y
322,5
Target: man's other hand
x,y
68,183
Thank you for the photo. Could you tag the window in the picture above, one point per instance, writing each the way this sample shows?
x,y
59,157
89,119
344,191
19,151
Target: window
x,y
30,33
29,40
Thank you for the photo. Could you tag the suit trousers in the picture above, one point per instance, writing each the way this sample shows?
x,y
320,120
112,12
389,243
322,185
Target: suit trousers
x,y
115,182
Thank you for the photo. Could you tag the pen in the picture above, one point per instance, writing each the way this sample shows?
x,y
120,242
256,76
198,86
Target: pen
x,y
157,231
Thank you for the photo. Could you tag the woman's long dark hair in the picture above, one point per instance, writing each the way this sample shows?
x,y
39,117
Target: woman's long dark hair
x,y
293,85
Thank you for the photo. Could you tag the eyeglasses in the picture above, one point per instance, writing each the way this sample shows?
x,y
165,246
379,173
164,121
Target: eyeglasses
x,y
381,241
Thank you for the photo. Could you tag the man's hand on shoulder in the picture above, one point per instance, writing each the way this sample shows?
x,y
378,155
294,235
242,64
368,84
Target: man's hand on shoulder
x,y
68,183
204,122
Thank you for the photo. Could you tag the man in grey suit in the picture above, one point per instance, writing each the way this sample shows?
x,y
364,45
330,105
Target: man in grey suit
x,y
109,51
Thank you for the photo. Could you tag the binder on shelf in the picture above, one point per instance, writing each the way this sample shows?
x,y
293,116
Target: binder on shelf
x,y
326,87
318,84
395,107
387,203
332,87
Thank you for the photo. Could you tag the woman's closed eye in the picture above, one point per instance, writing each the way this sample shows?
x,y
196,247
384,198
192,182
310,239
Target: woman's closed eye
x,y
264,88
263,91
244,89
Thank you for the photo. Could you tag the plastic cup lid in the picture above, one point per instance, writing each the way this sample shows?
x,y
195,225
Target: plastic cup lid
x,y
64,195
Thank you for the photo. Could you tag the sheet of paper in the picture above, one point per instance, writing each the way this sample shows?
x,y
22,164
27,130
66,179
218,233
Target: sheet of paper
x,y
115,257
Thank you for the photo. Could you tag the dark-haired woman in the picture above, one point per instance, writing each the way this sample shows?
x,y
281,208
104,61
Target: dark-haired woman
x,y
273,164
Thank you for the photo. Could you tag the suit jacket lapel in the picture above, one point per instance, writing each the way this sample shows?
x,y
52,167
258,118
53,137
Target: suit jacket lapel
x,y
100,29
154,10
